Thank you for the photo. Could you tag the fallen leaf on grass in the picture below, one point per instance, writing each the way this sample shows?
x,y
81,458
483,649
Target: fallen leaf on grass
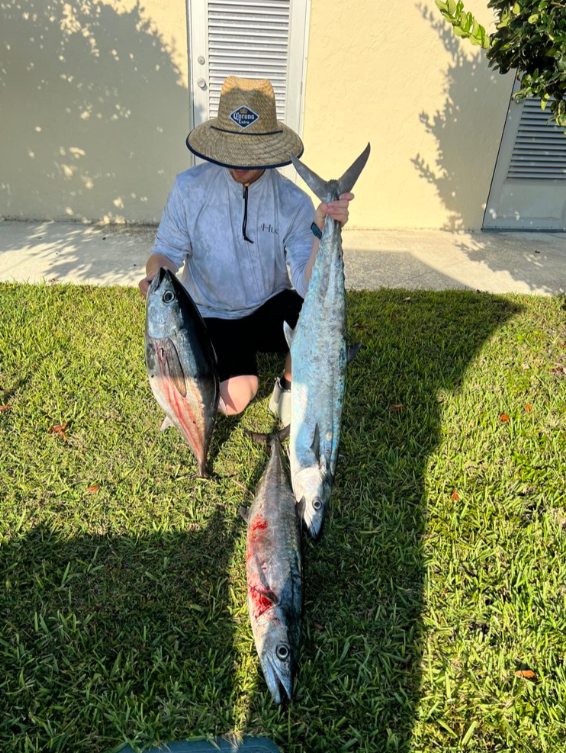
x,y
93,489
557,370
455,496
504,418
53,280
396,407
528,674
5,407
408,298
59,429
528,407
318,626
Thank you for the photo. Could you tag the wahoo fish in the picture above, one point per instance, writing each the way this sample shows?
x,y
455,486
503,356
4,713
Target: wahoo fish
x,y
181,363
274,575
319,359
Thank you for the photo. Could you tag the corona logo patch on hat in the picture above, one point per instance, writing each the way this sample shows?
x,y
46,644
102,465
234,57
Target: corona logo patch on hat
x,y
244,117
246,134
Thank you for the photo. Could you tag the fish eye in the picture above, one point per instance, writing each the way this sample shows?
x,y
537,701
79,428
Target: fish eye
x,y
168,296
282,652
317,504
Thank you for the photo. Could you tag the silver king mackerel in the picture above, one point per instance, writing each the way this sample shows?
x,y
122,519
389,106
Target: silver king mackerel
x,y
181,363
274,574
319,360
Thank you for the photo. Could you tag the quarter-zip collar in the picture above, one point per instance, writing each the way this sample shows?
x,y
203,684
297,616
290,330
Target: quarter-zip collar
x,y
237,187
244,190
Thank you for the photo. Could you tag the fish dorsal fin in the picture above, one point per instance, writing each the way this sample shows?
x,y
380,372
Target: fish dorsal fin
x,y
347,181
174,367
315,446
289,334
245,513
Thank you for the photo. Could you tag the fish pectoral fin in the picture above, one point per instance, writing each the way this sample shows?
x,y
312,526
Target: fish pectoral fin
x,y
353,351
245,513
166,424
174,367
289,333
315,446
266,593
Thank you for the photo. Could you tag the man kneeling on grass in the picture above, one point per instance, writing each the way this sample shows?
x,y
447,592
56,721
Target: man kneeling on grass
x,y
236,224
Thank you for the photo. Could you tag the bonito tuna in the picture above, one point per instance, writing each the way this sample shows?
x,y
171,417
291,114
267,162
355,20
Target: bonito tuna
x,y
319,360
273,571
181,363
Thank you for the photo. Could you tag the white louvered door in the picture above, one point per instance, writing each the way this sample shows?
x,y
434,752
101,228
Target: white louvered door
x,y
253,39
528,190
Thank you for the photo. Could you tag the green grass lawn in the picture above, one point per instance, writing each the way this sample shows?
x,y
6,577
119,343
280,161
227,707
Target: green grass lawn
x,y
440,575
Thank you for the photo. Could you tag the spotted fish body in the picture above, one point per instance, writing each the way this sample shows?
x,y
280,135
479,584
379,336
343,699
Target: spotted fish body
x,y
319,360
274,575
181,363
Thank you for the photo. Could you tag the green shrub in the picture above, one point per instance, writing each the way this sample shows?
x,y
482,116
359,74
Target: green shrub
x,y
530,38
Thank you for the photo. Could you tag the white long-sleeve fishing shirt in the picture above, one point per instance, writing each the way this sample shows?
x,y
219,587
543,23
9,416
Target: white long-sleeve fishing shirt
x,y
201,227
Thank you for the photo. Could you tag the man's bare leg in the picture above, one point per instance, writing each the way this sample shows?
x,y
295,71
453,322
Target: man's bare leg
x,y
236,393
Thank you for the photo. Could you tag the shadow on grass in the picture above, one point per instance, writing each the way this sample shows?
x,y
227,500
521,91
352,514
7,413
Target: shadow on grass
x,y
111,638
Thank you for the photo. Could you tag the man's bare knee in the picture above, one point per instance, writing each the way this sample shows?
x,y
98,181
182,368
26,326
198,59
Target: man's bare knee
x,y
236,393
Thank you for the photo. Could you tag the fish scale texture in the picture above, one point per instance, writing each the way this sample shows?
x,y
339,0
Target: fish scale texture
x,y
318,353
181,364
273,547
274,574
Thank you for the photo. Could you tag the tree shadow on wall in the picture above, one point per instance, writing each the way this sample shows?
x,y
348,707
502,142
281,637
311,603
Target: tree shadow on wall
x,y
468,85
94,112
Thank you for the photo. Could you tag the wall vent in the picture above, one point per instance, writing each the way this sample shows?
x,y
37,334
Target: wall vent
x,y
248,39
539,152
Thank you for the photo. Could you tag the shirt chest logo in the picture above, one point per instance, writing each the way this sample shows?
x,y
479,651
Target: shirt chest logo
x,y
244,117
269,229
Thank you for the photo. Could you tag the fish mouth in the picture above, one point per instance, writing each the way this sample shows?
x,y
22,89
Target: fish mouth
x,y
314,527
314,520
280,687
157,280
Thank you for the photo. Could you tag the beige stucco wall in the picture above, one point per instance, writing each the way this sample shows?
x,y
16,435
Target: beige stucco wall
x,y
394,74
94,109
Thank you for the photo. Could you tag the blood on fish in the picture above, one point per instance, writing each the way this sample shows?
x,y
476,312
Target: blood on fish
x,y
261,601
181,407
259,523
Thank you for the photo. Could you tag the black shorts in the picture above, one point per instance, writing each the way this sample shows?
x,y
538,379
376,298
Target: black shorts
x,y
237,341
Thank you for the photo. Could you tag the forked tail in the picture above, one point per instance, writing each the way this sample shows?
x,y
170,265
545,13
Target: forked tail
x,y
279,436
332,189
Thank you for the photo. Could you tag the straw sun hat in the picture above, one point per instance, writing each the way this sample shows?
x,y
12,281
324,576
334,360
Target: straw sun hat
x,y
246,134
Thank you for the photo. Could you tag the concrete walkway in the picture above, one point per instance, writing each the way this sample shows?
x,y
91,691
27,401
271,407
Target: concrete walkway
x,y
429,260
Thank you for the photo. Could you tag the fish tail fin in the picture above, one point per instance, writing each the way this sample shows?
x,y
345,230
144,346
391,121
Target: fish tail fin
x,y
325,190
317,185
279,436
347,181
